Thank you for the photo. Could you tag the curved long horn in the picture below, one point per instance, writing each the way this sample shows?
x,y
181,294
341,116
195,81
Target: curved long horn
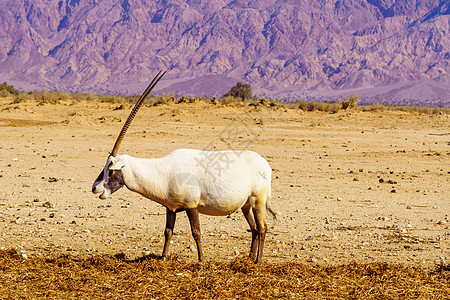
x,y
134,111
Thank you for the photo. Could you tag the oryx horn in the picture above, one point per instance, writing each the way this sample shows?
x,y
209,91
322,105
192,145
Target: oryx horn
x,y
134,111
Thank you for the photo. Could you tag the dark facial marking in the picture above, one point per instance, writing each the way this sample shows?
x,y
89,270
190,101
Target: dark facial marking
x,y
100,176
115,180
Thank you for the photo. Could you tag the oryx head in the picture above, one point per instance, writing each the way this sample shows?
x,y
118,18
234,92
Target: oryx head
x,y
111,177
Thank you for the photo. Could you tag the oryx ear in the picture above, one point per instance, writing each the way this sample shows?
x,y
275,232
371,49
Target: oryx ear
x,y
118,165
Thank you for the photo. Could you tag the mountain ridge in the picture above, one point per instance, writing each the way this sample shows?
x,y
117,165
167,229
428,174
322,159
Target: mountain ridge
x,y
286,49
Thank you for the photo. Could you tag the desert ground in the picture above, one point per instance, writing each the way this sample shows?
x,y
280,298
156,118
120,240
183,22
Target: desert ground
x,y
347,187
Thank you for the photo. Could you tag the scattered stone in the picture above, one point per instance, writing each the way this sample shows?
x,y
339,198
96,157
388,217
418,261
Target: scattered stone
x,y
312,260
192,248
48,204
442,222
236,252
408,207
309,238
87,231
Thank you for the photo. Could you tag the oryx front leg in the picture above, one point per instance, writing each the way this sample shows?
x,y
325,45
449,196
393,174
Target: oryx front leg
x,y
168,232
192,214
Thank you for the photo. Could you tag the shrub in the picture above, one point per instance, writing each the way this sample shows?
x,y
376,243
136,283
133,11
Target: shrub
x,y
7,90
240,90
112,99
231,101
350,102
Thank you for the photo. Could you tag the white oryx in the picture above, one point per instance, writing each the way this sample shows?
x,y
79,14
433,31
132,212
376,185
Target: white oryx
x,y
215,183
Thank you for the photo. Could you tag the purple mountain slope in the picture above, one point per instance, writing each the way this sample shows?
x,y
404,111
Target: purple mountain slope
x,y
391,51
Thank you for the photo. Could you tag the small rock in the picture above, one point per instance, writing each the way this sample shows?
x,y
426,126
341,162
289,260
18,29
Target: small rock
x,y
48,204
408,226
312,260
442,222
87,231
339,199
408,207
24,256
309,238
192,248
236,252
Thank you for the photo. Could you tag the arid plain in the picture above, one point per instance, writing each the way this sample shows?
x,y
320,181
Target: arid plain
x,y
347,187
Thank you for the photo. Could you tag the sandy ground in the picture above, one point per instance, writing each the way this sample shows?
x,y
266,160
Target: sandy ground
x,y
351,186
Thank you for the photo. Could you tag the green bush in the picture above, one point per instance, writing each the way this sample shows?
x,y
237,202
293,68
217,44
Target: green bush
x,y
7,90
240,90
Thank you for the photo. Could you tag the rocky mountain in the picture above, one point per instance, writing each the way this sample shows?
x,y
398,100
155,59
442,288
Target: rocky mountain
x,y
393,51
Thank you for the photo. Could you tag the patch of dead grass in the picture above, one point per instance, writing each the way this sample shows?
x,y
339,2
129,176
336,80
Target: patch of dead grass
x,y
148,277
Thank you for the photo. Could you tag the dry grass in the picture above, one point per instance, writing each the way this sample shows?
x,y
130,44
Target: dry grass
x,y
349,103
102,277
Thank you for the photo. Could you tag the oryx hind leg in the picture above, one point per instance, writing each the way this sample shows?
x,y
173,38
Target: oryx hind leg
x,y
259,213
248,214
